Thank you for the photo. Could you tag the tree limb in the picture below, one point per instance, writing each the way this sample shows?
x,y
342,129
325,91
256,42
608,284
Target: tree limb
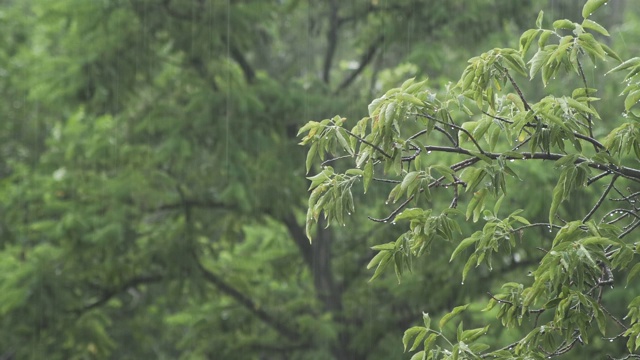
x,y
365,60
332,41
249,304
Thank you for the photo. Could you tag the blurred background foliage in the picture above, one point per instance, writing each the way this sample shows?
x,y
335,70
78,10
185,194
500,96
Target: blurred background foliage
x,y
153,192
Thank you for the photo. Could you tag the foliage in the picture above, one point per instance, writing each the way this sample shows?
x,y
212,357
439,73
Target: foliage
x,y
486,124
152,192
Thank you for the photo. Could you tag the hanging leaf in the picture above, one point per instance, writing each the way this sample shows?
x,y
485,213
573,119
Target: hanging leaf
x,y
590,6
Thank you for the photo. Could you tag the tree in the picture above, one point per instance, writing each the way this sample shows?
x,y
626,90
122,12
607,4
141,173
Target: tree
x,y
472,142
147,212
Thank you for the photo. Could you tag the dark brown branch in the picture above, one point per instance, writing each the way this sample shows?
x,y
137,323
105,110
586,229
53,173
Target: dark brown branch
x,y
626,172
446,133
627,198
390,181
517,88
365,60
629,230
536,225
602,197
299,238
247,70
460,128
394,213
109,294
598,177
368,143
248,303
206,204
596,144
332,41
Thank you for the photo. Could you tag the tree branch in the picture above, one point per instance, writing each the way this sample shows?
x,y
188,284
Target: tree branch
x,y
247,70
365,60
245,301
626,172
332,41
602,197
109,294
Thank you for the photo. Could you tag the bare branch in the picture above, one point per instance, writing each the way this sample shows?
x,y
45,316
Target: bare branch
x,y
368,143
365,60
248,303
602,197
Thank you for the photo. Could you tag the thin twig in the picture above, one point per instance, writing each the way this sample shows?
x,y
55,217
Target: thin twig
x,y
460,128
394,213
586,90
602,197
366,142
598,177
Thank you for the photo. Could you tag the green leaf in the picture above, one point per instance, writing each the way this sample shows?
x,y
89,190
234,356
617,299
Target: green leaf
x,y
496,207
471,335
473,177
429,341
527,39
387,246
368,175
409,214
382,263
632,99
598,240
343,142
580,106
600,318
558,196
427,320
610,53
564,24
633,273
408,179
537,61
539,19
376,259
457,310
445,171
411,99
420,355
463,245
592,25
310,155
590,6
625,65
566,160
591,45
417,332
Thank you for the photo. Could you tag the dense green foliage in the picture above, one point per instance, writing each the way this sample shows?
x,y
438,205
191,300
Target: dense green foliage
x,y
478,142
152,192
